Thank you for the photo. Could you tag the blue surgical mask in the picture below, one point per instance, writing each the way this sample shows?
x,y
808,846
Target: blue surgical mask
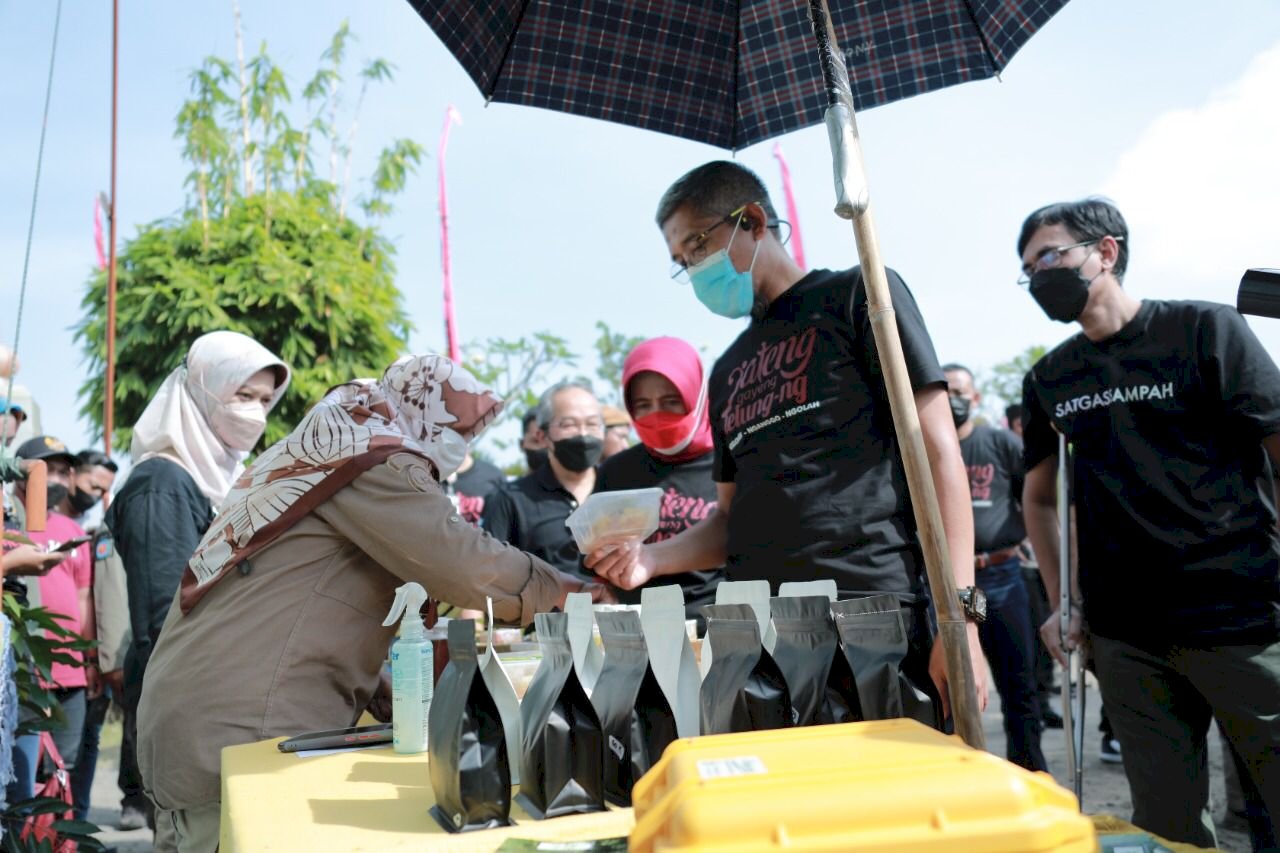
x,y
720,287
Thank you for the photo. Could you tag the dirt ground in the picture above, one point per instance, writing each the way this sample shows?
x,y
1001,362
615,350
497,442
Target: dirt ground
x,y
1105,788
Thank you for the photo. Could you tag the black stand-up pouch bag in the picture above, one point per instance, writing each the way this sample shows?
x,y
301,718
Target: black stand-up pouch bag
x,y
635,716
807,650
744,690
874,639
470,774
561,770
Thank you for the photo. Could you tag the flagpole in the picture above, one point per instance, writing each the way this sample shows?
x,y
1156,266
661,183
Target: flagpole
x,y
793,214
450,324
108,417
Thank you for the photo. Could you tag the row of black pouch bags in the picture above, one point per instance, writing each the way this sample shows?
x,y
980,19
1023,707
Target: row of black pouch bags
x,y
832,662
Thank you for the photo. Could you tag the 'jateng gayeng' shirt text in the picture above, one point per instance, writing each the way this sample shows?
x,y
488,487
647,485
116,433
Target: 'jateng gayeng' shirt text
x,y
688,497
1175,515
803,430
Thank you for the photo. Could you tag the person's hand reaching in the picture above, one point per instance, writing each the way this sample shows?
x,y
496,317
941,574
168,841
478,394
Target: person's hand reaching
x,y
626,566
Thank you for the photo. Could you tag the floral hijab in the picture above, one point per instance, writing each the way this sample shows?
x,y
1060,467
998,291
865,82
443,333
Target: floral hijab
x,y
426,405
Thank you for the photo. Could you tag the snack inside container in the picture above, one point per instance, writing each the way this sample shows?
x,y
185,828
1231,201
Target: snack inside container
x,y
607,518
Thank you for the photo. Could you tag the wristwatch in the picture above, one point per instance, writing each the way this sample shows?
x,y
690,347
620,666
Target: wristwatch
x,y
974,602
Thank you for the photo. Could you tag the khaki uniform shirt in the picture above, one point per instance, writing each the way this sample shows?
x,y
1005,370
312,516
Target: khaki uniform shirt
x,y
296,643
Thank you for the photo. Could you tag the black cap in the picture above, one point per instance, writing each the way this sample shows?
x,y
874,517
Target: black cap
x,y
45,447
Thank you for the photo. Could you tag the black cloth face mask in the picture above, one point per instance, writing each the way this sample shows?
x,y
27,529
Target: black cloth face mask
x,y
55,493
960,410
535,458
579,452
1061,292
82,502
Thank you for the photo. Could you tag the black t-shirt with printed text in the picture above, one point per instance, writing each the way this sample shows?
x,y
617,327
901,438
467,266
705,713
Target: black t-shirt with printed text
x,y
688,496
803,430
993,459
1173,492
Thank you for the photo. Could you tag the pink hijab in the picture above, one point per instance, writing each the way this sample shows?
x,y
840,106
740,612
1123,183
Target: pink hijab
x,y
425,405
667,436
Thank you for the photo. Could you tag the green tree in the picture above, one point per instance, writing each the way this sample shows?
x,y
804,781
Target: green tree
x,y
263,245
1004,380
611,351
517,371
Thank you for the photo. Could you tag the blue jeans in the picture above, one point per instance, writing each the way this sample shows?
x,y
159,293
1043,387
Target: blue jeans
x,y
87,763
23,786
1008,641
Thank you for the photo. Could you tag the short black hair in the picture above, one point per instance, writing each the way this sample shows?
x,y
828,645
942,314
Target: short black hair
x,y
529,417
1013,412
947,368
716,189
90,458
1088,219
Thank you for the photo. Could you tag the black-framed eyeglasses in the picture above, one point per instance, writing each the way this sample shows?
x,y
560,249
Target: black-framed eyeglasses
x,y
1051,257
698,253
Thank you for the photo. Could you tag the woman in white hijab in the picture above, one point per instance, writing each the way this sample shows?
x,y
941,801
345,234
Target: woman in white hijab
x,y
188,448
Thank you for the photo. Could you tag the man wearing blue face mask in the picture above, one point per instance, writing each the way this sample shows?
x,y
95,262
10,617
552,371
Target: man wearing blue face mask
x,y
809,478
1172,410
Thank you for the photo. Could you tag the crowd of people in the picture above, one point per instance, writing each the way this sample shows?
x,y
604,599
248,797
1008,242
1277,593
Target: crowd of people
x,y
231,605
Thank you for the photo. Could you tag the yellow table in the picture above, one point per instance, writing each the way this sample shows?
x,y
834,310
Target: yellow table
x,y
372,799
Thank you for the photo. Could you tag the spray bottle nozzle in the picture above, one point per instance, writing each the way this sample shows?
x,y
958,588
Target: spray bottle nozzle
x,y
407,608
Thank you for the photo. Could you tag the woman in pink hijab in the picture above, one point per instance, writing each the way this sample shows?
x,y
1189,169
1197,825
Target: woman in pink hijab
x,y
665,391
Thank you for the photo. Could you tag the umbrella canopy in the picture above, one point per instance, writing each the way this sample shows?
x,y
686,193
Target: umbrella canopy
x,y
726,72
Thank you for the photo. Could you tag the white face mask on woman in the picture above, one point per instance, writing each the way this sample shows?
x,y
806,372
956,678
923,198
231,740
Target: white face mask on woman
x,y
239,423
450,453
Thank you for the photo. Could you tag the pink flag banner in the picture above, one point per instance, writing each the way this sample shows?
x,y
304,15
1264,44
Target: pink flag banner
x,y
793,215
451,118
97,234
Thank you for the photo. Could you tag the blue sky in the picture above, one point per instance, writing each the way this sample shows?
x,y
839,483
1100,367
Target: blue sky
x,y
1167,106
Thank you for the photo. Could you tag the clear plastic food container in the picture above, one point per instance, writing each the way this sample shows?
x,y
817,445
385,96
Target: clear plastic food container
x,y
607,518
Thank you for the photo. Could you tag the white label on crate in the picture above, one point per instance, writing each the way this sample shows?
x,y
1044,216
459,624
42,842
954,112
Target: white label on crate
x,y
724,768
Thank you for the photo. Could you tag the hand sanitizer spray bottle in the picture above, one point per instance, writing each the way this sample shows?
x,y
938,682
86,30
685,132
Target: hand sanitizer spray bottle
x,y
411,665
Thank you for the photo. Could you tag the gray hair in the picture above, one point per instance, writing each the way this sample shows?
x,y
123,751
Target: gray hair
x,y
546,403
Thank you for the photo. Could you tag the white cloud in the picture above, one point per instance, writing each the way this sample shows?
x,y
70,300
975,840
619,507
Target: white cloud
x,y
1200,189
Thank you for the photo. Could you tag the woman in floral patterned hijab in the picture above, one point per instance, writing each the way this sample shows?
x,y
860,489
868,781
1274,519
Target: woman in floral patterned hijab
x,y
425,405
277,628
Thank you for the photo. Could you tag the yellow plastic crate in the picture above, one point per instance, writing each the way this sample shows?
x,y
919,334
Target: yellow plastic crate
x,y
884,785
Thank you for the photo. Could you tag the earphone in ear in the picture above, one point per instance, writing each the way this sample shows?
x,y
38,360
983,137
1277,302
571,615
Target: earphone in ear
x,y
747,224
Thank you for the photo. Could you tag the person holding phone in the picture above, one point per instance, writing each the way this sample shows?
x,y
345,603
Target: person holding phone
x,y
66,591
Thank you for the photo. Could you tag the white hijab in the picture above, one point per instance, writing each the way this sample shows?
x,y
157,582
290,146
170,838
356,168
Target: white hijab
x,y
176,423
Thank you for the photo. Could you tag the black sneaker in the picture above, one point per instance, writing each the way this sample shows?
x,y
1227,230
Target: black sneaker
x,y
1050,718
1110,752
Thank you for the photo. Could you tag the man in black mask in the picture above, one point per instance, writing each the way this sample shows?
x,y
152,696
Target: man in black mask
x,y
530,513
1172,410
993,460
533,442
91,481
65,592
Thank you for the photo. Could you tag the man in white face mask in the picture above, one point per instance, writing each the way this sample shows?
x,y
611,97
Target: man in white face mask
x,y
188,449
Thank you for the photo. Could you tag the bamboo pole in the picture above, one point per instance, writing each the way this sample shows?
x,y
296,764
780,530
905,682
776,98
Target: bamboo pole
x,y
852,203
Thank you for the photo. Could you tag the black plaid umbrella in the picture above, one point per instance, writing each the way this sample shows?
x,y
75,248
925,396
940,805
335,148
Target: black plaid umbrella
x,y
727,73
734,73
